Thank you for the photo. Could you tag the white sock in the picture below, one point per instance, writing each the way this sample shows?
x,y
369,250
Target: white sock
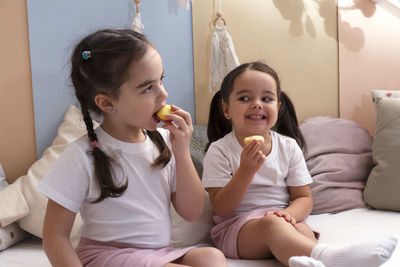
x,y
304,261
368,254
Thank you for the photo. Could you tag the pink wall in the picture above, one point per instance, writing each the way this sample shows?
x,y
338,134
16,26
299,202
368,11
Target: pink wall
x,y
369,56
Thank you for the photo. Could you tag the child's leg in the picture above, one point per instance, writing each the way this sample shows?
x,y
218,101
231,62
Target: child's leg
x,y
306,230
272,235
205,256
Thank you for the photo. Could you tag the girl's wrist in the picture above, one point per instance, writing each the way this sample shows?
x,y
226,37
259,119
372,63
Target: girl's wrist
x,y
182,155
244,174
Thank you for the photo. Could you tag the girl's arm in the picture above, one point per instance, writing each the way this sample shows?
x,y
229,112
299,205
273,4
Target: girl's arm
x,y
188,199
302,202
300,207
226,199
57,227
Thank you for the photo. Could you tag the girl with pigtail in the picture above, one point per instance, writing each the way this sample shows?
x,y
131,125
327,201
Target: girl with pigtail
x,y
260,189
123,176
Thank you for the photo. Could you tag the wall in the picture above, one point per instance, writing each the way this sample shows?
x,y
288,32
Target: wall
x,y
369,56
17,142
297,38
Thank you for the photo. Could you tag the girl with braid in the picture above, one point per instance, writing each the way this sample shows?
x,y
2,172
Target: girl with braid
x,y
123,176
260,190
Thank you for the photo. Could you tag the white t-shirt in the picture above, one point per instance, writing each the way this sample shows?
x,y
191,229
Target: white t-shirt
x,y
141,216
284,166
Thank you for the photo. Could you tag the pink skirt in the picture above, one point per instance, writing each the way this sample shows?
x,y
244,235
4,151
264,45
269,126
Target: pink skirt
x,y
225,233
109,254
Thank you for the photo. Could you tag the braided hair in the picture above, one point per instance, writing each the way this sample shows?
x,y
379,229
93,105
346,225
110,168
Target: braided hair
x,y
100,64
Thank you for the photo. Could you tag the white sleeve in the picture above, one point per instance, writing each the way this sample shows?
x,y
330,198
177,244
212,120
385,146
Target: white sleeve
x,y
217,171
298,174
67,182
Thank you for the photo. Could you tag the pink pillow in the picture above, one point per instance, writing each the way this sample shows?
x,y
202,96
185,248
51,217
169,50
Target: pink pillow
x,y
339,159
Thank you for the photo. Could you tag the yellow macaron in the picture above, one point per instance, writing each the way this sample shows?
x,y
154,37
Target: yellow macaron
x,y
254,137
164,111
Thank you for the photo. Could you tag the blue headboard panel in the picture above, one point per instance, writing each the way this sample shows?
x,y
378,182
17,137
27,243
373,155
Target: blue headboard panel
x,y
56,26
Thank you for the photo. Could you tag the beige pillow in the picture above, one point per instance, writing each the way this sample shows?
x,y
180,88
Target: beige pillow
x,y
28,205
383,184
186,233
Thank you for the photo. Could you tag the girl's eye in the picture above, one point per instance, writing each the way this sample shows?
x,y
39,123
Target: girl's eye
x,y
266,99
243,98
162,77
147,90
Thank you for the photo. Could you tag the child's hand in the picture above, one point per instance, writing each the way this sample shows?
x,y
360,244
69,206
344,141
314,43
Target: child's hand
x,y
282,214
252,157
180,128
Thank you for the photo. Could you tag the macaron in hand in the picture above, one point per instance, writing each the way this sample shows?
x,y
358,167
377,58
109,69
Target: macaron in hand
x,y
162,112
253,137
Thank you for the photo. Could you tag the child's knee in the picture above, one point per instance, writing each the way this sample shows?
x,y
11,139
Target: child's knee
x,y
214,253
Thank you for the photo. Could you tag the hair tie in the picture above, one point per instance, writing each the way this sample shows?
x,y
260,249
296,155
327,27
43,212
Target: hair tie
x,y
86,55
94,144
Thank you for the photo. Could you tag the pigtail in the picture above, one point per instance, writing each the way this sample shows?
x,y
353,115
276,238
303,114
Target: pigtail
x,y
165,153
218,126
103,164
287,123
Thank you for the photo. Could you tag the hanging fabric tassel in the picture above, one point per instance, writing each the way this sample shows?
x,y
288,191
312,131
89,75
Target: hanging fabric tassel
x,y
184,3
137,25
223,55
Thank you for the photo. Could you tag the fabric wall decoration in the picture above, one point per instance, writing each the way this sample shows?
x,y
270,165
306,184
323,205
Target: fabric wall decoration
x,y
223,55
137,25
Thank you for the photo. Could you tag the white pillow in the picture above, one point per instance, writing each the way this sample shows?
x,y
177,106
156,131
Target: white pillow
x,y
29,205
384,94
10,235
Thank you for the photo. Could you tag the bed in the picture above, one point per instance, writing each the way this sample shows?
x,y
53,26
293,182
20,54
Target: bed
x,y
355,189
340,229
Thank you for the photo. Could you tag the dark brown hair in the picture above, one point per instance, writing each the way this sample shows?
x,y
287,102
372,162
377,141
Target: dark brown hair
x,y
111,54
219,126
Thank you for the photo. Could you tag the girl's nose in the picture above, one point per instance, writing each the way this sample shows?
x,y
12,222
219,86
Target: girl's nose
x,y
163,94
256,105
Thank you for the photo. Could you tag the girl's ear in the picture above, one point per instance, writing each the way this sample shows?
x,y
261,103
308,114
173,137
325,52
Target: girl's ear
x,y
225,109
104,103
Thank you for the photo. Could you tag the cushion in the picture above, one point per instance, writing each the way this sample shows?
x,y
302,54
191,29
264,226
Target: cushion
x,y
30,205
377,94
382,188
198,144
186,233
11,234
339,159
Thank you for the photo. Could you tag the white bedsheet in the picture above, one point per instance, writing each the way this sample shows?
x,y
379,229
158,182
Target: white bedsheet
x,y
338,229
